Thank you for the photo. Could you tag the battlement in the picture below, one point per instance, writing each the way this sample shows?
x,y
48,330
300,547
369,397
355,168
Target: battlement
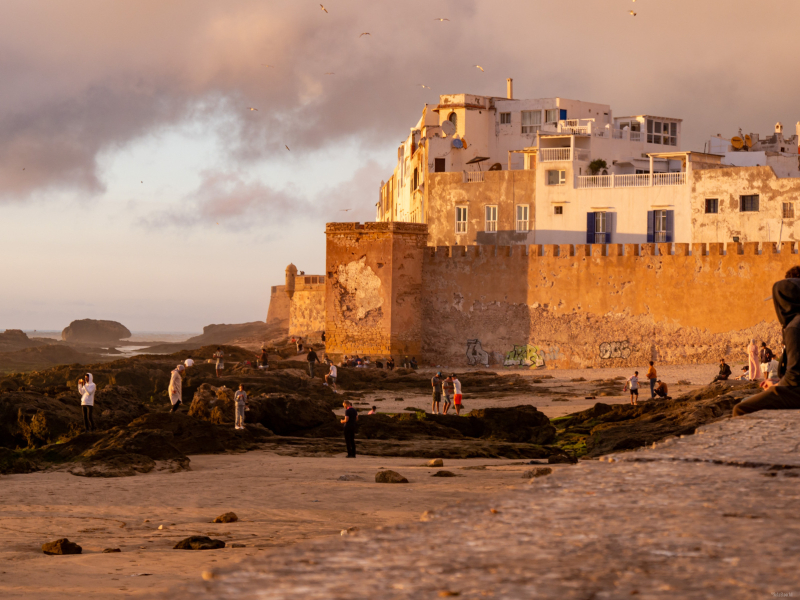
x,y
377,227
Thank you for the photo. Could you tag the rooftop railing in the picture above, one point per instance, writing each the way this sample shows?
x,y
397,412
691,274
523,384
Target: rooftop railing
x,y
591,182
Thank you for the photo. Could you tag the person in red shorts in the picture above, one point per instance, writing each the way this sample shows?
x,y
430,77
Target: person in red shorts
x,y
457,396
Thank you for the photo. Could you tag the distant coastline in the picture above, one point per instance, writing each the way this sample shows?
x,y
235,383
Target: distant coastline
x,y
138,336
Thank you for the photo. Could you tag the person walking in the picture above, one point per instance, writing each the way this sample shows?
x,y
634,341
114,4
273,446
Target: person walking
x,y
449,391
457,397
299,345
330,378
175,384
350,420
311,357
240,398
724,371
220,356
633,385
754,370
653,377
765,355
87,388
436,383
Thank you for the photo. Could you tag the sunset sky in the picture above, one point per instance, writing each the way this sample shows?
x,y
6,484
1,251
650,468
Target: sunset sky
x,y
135,184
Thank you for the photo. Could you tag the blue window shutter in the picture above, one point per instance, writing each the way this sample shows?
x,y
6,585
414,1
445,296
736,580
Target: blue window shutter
x,y
590,228
563,116
651,226
610,218
670,226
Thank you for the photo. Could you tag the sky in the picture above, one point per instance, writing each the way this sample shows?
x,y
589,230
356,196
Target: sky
x,y
137,186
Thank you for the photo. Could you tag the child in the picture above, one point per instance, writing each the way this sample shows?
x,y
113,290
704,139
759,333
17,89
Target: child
x,y
633,385
240,398
448,389
457,396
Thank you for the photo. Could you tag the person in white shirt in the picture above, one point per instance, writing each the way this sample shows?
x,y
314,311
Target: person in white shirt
x,y
330,378
633,385
457,404
174,390
87,388
772,370
188,362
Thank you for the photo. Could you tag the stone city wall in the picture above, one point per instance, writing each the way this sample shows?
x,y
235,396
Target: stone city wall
x,y
595,306
278,312
307,311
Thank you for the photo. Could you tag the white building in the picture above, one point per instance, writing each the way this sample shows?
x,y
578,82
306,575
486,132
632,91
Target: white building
x,y
751,150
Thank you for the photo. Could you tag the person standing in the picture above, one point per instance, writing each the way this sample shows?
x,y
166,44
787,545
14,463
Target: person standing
x,y
87,388
175,391
653,377
633,385
311,357
765,355
323,337
349,421
724,371
330,378
299,344
457,397
449,391
390,364
240,398
754,370
189,362
220,356
436,383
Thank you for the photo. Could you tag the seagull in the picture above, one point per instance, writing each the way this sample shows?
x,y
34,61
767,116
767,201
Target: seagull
x,y
449,19
268,66
287,147
425,86
345,209
251,108
479,67
365,33
323,8
633,14
330,73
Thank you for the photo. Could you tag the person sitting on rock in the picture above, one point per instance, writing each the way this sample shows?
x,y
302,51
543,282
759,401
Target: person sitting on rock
x,y
724,371
661,390
373,411
263,359
175,383
87,387
413,363
785,394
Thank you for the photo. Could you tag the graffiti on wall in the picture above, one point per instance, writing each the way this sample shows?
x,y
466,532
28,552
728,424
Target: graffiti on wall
x,y
476,355
526,355
614,350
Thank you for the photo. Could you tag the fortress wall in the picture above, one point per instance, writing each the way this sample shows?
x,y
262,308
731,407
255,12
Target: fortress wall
x,y
307,311
593,306
278,311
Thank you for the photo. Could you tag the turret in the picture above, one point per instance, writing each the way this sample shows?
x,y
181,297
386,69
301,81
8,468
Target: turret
x,y
291,273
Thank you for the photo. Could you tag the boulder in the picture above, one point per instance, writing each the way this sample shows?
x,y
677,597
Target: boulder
x,y
351,478
228,517
91,330
534,473
518,424
62,546
444,474
389,477
436,462
111,550
199,542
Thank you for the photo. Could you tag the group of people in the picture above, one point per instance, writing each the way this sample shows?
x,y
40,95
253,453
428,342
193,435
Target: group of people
x,y
448,388
658,388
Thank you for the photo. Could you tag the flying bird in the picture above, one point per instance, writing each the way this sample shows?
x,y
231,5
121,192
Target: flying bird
x,y
287,147
633,14
425,86
268,66
330,73
365,33
479,67
345,209
251,108
323,8
449,19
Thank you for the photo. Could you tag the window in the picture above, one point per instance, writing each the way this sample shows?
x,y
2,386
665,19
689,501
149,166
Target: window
x,y
558,210
788,210
491,218
523,224
551,115
453,118
712,205
461,219
748,203
659,132
600,227
660,226
415,180
505,118
531,121
438,165
556,177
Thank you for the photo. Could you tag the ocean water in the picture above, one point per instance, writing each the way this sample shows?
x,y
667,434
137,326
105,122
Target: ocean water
x,y
138,336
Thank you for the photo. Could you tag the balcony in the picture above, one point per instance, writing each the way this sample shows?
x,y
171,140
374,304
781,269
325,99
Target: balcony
x,y
592,182
474,176
576,126
562,154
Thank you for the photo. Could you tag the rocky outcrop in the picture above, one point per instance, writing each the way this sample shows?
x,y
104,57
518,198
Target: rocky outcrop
x,y
94,331
389,476
16,339
199,542
62,546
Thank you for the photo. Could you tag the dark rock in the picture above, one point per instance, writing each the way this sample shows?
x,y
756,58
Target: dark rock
x,y
199,542
389,477
111,550
91,330
62,546
561,459
351,478
533,473
444,474
516,424
228,517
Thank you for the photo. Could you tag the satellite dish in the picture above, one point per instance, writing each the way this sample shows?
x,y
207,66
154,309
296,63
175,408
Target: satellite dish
x,y
464,143
448,128
748,141
457,144
737,142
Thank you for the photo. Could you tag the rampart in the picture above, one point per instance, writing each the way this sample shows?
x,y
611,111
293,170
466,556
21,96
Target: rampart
x,y
554,306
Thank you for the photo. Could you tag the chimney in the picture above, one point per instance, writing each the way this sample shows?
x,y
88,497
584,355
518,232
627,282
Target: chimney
x,y
510,88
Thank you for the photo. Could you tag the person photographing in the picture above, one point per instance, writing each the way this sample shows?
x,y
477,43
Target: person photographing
x,y
87,388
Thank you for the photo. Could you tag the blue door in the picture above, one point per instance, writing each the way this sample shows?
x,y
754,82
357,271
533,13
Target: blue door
x,y
563,116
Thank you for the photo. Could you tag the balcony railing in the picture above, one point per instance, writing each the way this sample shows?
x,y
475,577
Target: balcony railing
x,y
590,182
474,176
555,154
575,126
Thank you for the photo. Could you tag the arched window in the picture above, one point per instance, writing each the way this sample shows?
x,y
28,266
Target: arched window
x,y
453,118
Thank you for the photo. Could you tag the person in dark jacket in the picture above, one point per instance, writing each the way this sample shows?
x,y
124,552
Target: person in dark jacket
x,y
724,371
786,393
350,420
311,357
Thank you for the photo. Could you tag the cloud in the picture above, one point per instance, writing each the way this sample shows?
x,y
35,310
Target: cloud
x,y
81,78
